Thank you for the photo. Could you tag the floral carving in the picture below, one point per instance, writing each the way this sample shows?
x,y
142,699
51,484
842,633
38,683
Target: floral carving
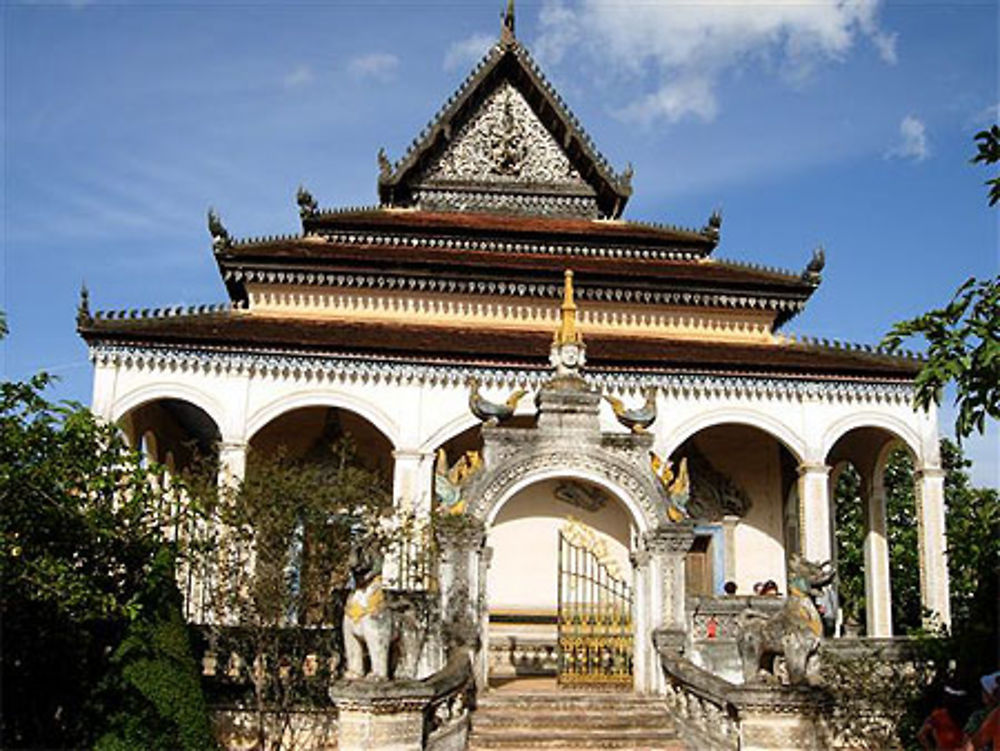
x,y
505,143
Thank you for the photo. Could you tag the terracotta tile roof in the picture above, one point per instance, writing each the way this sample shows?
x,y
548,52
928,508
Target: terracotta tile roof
x,y
526,227
242,330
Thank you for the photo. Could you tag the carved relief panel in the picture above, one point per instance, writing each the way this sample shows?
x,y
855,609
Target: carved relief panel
x,y
504,143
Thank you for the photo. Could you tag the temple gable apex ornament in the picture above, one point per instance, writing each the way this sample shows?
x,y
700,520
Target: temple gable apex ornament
x,y
507,37
221,239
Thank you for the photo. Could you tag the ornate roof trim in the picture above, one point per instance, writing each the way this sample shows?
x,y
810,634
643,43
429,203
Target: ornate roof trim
x,y
738,300
335,366
508,60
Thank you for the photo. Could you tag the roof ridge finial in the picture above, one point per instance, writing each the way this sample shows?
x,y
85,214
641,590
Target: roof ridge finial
x,y
507,36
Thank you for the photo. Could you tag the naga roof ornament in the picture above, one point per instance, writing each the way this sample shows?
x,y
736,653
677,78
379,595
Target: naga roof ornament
x,y
221,239
813,273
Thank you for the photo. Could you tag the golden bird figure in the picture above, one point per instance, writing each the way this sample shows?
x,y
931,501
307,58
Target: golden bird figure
x,y
636,420
489,412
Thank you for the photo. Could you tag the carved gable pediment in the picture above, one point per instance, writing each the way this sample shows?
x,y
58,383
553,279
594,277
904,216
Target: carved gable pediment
x,y
504,144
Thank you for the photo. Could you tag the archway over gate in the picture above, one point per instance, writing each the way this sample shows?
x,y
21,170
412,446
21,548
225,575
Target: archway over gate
x,y
601,502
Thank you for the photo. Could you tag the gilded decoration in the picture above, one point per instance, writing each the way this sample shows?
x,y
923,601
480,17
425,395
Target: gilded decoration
x,y
505,143
449,481
586,537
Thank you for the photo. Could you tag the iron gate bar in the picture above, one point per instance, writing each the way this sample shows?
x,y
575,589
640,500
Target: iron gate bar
x,y
595,621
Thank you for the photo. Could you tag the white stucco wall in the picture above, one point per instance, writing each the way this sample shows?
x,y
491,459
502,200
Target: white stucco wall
x,y
418,408
524,539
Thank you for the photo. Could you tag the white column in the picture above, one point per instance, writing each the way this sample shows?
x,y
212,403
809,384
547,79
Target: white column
x,y
412,476
878,588
929,482
406,565
213,596
729,522
815,527
643,662
232,463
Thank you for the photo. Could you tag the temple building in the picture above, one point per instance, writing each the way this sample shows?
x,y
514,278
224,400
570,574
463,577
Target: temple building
x,y
382,322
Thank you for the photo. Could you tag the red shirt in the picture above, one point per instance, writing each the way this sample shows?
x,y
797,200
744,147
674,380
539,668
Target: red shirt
x,y
947,733
988,731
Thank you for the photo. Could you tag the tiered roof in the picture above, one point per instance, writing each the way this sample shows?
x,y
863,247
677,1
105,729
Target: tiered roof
x,y
499,194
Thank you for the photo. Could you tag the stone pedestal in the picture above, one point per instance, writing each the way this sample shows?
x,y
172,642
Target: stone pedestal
x,y
668,545
386,716
782,719
461,581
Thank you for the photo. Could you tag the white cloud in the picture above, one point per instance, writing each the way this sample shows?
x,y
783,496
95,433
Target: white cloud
x,y
688,46
987,115
675,100
467,52
302,75
380,66
912,141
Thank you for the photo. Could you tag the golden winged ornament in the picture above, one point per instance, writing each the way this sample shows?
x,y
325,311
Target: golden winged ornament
x,y
449,481
677,486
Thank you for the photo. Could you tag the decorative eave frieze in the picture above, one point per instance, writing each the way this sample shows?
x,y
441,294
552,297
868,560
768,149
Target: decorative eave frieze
x,y
785,306
339,367
492,245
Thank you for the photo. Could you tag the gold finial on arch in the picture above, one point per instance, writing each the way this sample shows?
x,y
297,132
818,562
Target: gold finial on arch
x,y
567,333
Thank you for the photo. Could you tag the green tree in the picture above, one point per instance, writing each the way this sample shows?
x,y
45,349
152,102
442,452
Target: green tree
x,y
973,529
901,528
963,338
301,518
88,599
850,533
989,153
963,348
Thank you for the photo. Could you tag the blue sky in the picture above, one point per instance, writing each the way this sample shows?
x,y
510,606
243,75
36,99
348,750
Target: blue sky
x,y
843,124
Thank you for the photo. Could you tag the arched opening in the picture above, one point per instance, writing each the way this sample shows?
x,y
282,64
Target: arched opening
x,y
743,494
182,438
314,477
556,544
173,427
875,529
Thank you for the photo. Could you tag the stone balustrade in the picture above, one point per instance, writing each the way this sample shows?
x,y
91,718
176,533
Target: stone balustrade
x,y
717,715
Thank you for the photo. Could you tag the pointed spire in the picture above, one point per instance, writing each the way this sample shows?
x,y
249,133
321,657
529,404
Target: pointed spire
x,y
567,333
507,36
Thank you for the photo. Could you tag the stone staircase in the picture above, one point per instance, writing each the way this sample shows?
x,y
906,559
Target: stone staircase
x,y
572,720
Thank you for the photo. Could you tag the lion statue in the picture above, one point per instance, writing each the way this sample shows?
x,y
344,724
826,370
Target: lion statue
x,y
794,632
387,626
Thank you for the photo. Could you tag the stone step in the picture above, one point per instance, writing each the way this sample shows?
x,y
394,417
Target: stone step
x,y
572,720
605,718
592,739
581,700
